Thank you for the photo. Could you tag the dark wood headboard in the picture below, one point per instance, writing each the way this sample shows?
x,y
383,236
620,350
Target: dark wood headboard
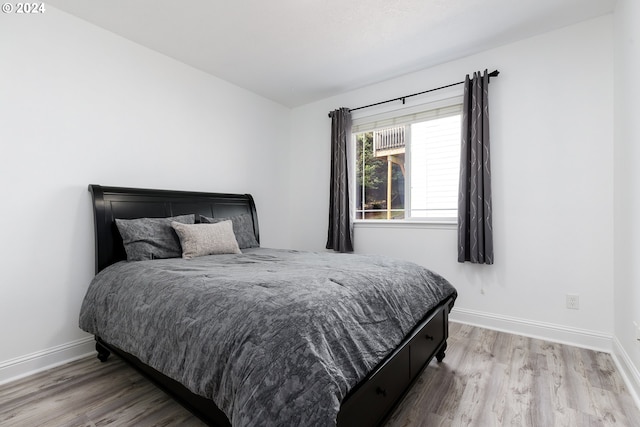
x,y
110,203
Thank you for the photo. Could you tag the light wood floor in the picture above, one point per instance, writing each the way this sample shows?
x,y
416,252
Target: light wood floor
x,y
491,378
487,379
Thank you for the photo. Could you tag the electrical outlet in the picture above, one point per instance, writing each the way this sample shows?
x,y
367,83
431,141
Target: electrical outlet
x,y
637,327
573,301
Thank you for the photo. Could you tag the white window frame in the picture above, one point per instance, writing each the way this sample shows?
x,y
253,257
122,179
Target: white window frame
x,y
362,120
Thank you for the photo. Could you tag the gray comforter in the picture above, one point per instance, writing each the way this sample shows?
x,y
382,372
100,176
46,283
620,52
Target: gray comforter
x,y
274,337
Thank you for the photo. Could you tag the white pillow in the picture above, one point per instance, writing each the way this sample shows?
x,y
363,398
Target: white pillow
x,y
206,239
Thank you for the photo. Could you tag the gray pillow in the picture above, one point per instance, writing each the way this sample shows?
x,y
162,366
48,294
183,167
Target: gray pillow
x,y
242,228
151,238
206,239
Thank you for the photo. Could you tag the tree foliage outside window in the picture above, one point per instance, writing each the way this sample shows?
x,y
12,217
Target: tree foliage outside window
x,y
372,179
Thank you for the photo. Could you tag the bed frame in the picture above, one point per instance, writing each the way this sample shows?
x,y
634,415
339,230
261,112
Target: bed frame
x,y
368,404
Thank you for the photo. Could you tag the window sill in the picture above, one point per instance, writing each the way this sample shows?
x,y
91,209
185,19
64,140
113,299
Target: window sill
x,y
437,224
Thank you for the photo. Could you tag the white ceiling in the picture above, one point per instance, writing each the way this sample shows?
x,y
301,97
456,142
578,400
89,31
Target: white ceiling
x,y
299,51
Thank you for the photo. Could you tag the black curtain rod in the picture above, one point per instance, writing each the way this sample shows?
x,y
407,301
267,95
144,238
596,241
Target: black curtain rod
x,y
494,73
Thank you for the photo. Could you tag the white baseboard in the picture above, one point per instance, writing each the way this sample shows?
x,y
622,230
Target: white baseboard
x,y
627,369
20,367
547,331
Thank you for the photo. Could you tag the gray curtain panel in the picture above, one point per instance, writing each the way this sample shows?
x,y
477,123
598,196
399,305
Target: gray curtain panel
x,y
340,235
475,230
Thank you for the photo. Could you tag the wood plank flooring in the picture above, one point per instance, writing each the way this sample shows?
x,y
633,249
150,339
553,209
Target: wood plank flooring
x,y
487,379
491,378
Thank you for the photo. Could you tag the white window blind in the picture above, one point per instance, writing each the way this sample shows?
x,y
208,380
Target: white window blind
x,y
389,120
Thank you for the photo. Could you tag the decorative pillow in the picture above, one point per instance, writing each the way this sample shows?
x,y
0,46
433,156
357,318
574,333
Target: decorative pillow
x,y
206,239
242,228
151,238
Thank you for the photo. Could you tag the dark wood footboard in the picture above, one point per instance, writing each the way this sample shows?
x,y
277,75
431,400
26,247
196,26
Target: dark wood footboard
x,y
368,404
371,402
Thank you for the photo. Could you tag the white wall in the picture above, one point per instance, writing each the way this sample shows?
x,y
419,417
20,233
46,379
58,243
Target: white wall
x,y
627,185
552,161
80,105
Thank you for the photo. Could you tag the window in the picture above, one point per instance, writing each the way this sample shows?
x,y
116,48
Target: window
x,y
407,165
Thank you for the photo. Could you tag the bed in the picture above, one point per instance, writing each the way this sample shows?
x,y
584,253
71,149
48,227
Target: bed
x,y
237,338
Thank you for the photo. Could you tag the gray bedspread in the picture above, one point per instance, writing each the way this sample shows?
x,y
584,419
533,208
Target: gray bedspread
x,y
274,337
